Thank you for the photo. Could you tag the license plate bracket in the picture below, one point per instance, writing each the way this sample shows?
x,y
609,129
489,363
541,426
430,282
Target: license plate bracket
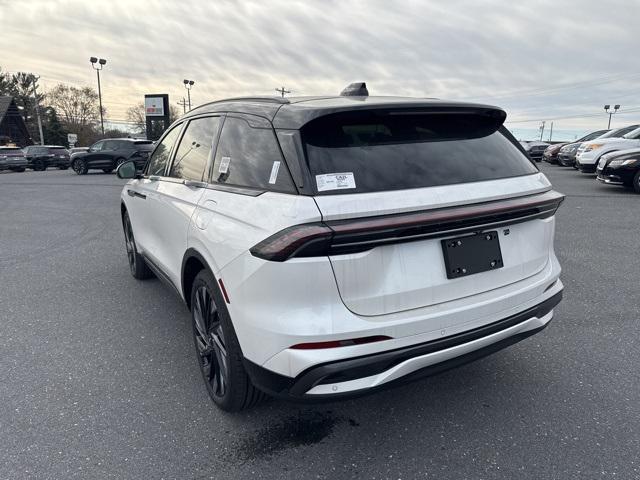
x,y
472,254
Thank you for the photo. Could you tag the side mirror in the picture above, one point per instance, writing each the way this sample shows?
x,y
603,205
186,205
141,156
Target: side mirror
x,y
126,170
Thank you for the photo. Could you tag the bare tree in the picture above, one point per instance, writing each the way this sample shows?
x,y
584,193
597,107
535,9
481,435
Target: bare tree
x,y
78,106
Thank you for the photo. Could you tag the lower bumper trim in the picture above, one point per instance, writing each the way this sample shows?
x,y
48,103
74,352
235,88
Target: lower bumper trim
x,y
368,365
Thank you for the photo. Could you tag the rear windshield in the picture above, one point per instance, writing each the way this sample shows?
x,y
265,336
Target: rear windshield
x,y
57,148
10,150
358,152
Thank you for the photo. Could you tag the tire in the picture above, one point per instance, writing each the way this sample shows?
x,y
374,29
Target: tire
x,y
217,349
19,169
139,268
63,168
120,161
39,166
80,167
636,182
107,170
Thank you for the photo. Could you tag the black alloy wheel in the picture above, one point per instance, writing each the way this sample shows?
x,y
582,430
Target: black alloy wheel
x,y
210,343
218,351
80,167
636,182
138,266
39,166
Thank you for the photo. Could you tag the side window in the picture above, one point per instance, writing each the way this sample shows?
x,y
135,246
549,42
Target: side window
x,y
195,148
250,157
109,145
97,147
158,161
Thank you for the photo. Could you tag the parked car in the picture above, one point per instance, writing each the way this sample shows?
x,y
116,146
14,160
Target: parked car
x,y
552,153
567,155
316,268
40,157
589,153
75,150
535,149
106,155
12,158
620,168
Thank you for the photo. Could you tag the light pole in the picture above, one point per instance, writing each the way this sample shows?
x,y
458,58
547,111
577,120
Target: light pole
x,y
188,84
35,79
610,112
100,64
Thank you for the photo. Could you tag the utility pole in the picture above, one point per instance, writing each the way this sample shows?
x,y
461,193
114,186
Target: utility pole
x,y
101,63
611,112
551,132
35,78
183,103
282,91
542,129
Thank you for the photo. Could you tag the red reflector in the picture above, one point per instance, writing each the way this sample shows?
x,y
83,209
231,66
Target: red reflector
x,y
340,343
224,291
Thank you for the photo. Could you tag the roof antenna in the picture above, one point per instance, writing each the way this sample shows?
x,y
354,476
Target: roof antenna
x,y
358,89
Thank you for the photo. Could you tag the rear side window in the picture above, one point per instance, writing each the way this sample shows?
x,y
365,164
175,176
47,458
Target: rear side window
x,y
195,147
358,152
250,157
158,161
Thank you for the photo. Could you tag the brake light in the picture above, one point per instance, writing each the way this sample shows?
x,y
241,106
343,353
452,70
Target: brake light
x,y
340,343
307,240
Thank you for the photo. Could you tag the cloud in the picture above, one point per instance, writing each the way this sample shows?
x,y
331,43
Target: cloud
x,y
513,54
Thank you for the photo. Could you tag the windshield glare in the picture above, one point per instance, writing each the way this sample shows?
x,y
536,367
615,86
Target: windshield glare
x,y
632,134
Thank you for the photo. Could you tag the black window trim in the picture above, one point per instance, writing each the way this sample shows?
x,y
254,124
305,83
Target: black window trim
x,y
244,189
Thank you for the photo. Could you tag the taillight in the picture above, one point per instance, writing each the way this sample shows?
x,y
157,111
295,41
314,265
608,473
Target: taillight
x,y
362,234
307,240
340,343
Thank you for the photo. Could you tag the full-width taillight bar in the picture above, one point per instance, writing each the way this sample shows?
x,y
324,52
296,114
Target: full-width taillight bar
x,y
361,234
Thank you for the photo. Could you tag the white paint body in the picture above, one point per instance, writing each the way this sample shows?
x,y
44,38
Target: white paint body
x,y
591,157
399,290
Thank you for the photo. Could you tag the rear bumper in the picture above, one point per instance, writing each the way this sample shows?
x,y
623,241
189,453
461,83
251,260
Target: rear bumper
x,y
367,373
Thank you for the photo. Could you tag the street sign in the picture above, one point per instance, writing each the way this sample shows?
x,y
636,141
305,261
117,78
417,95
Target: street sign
x,y
154,106
72,138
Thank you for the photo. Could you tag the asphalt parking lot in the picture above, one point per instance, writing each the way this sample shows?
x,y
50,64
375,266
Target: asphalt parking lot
x,y
99,377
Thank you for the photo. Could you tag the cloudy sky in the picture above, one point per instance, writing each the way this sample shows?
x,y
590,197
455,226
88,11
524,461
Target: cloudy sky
x,y
540,60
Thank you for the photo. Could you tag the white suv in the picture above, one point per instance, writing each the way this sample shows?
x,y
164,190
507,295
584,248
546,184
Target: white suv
x,y
331,246
590,153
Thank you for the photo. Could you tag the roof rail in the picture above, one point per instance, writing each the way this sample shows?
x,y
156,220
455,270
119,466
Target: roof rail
x,y
279,100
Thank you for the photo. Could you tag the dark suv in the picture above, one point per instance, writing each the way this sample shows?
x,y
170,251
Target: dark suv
x,y
106,155
39,157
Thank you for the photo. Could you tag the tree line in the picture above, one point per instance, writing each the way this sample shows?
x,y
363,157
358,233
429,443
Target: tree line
x,y
65,109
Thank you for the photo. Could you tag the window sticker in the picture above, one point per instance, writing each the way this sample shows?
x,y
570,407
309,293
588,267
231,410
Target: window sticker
x,y
224,164
335,181
274,172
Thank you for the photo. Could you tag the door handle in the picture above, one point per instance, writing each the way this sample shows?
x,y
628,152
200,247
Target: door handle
x,y
133,193
194,183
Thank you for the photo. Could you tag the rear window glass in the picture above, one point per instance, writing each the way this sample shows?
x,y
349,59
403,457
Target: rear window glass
x,y
357,152
57,148
10,150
